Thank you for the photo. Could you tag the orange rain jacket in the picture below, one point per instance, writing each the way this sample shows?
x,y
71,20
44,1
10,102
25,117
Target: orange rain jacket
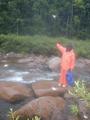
x,y
68,58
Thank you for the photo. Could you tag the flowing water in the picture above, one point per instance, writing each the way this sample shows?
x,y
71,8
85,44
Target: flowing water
x,y
16,73
25,72
19,73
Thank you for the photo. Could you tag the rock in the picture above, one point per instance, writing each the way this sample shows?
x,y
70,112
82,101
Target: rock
x,y
43,107
34,62
25,60
87,61
13,55
54,64
79,65
83,66
13,92
59,115
47,88
82,106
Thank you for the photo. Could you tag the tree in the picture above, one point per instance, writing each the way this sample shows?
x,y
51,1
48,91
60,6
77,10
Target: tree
x,y
72,17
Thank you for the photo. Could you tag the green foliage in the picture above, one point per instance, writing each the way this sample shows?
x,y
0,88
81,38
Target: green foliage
x,y
74,109
36,118
80,91
12,116
36,17
41,45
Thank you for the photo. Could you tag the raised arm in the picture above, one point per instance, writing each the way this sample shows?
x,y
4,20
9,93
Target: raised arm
x,y
60,48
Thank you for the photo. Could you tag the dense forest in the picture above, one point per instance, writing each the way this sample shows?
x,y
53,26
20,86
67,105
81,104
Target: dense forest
x,y
46,17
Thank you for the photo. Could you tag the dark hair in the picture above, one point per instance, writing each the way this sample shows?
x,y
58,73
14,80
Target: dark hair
x,y
69,47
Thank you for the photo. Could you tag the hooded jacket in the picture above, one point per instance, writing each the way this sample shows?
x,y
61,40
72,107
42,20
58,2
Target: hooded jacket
x,y
67,59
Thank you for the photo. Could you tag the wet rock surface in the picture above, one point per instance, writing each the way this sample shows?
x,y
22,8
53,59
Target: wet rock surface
x,y
47,88
13,92
30,69
42,106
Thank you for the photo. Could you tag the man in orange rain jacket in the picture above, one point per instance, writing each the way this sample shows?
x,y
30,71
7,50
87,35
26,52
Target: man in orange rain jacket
x,y
67,62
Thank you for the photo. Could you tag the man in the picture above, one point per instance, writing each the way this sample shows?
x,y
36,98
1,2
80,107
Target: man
x,y
67,62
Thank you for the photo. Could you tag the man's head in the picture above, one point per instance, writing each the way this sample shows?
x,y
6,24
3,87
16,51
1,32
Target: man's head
x,y
69,47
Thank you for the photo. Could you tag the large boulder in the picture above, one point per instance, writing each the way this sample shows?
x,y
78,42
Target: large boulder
x,y
13,92
54,63
43,107
47,88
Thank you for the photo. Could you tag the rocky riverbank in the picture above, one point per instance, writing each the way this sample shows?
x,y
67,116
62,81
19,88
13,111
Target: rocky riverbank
x,y
31,68
44,97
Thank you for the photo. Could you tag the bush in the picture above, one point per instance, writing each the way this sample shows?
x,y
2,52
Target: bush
x,y
41,45
74,109
80,91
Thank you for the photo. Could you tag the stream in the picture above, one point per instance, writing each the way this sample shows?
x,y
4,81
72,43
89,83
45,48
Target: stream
x,y
29,69
17,74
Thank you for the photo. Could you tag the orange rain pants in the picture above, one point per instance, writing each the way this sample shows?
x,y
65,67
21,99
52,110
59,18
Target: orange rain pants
x,y
67,62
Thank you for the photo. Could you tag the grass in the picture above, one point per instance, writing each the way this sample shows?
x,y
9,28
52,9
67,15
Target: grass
x,y
79,91
74,109
41,45
12,117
